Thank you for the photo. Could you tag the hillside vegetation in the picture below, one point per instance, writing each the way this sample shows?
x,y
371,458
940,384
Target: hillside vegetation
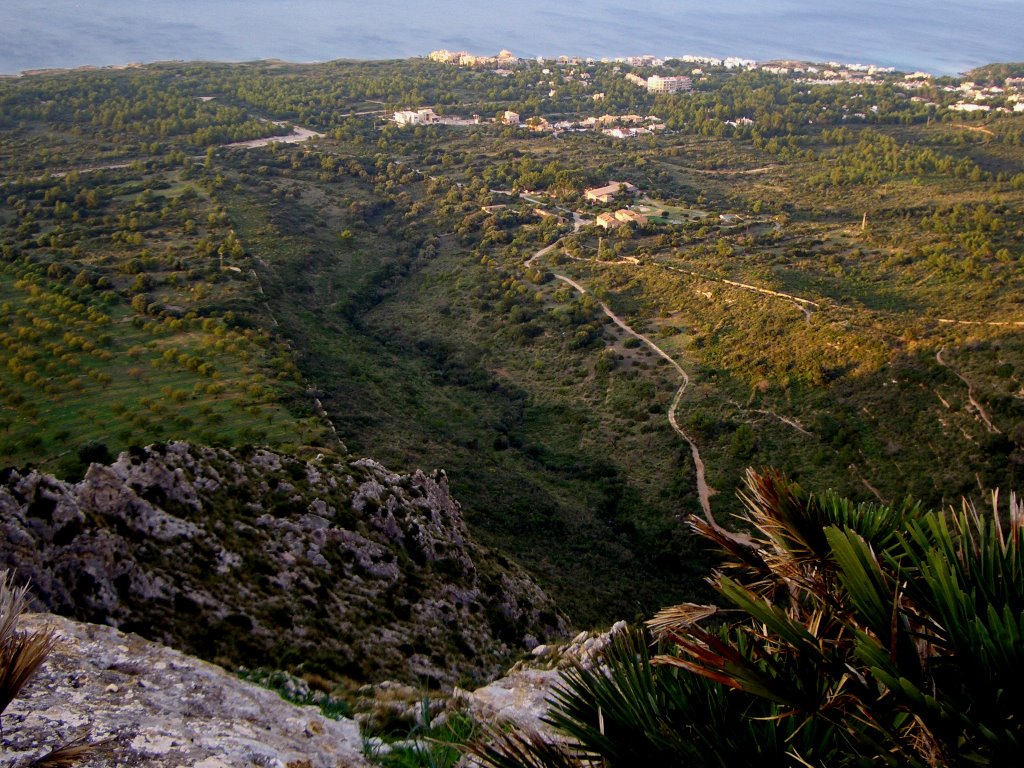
x,y
837,268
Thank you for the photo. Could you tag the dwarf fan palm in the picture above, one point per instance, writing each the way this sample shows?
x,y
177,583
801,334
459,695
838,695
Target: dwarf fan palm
x,y
849,634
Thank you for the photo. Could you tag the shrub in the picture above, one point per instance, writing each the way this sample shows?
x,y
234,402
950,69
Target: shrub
x,y
852,634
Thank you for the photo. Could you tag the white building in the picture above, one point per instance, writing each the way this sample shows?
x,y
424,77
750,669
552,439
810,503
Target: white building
x,y
416,117
657,84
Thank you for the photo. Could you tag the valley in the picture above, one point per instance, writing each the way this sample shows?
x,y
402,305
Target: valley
x,y
835,295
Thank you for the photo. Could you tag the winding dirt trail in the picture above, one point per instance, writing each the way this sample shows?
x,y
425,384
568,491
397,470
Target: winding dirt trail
x,y
806,305
970,393
730,171
801,302
703,490
297,136
996,323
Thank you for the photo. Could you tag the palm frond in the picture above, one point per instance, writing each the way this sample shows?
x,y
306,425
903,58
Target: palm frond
x,y
66,755
21,654
12,604
525,749
677,618
20,657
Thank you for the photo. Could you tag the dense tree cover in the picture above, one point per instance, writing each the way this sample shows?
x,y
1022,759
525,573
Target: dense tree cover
x,y
996,73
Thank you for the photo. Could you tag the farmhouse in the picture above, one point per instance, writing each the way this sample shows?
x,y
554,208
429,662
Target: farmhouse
x,y
609,192
627,216
416,117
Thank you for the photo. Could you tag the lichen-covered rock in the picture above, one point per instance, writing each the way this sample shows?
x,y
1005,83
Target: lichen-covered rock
x,y
520,696
148,705
261,558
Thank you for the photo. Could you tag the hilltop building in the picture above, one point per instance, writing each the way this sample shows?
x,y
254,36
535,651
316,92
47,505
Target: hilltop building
x,y
678,84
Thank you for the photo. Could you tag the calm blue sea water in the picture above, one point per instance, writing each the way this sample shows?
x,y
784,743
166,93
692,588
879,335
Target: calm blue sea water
x,y
940,36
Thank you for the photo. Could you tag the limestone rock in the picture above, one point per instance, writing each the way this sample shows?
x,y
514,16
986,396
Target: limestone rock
x,y
155,707
248,557
520,696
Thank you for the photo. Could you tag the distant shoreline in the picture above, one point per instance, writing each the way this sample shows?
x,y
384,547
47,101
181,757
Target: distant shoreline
x,y
943,37
40,71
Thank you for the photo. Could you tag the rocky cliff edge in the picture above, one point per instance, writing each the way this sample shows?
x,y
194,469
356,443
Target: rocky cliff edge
x,y
335,567
147,705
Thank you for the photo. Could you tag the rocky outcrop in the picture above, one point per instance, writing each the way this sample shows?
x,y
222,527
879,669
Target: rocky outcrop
x,y
341,568
147,705
520,696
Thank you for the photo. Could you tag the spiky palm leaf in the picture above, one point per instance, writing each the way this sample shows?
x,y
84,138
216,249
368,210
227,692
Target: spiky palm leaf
x,y
628,713
496,748
21,655
855,634
913,620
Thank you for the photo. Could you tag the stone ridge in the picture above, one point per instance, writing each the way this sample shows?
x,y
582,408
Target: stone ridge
x,y
155,707
253,557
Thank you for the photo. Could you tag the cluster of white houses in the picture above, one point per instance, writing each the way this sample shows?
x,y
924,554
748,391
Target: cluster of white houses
x,y
617,126
464,59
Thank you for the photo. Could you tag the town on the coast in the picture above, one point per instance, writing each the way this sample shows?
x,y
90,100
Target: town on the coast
x,y
680,75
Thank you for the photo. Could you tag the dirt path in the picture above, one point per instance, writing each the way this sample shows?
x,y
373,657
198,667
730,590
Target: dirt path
x,y
977,128
801,302
703,490
544,252
869,486
997,323
970,394
789,422
729,172
297,136
805,309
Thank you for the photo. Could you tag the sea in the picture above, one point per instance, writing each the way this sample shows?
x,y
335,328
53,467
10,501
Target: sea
x,y
936,36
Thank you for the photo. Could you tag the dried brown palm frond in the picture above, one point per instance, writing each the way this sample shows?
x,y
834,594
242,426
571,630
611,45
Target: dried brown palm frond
x,y
745,551
677,618
12,605
67,755
789,519
21,655
1007,527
